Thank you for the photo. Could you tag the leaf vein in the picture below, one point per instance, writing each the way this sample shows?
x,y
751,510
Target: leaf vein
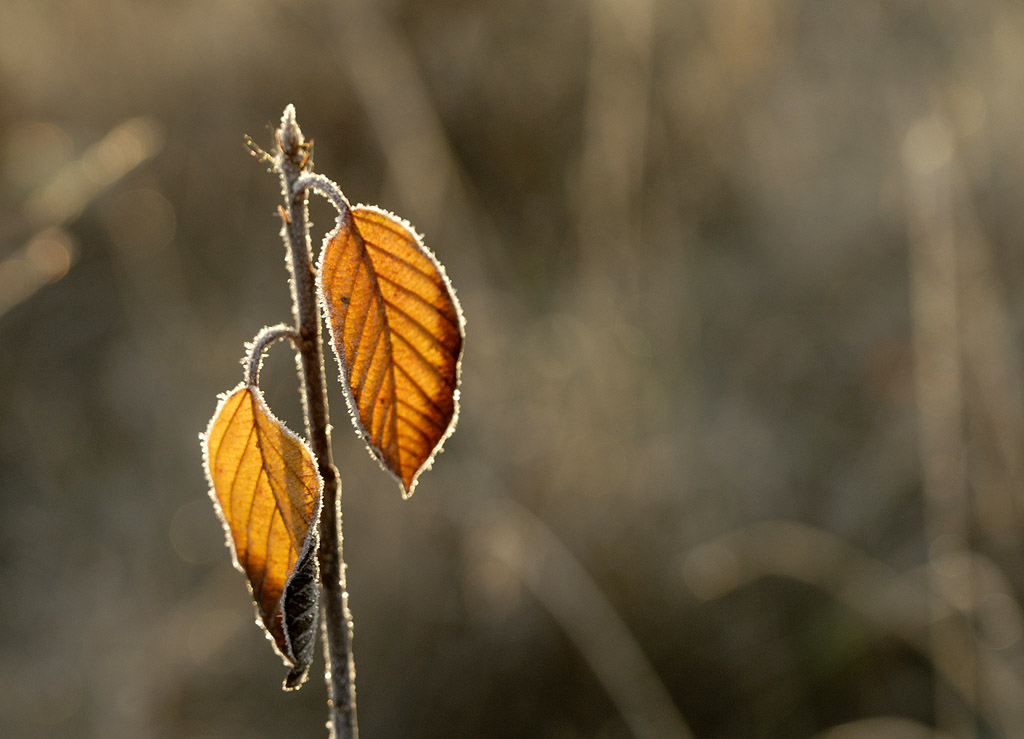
x,y
426,332
411,407
415,267
234,484
370,362
424,393
366,316
227,426
408,422
430,365
266,442
412,293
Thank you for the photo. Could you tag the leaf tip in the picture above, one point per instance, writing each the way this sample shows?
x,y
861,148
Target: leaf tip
x,y
296,678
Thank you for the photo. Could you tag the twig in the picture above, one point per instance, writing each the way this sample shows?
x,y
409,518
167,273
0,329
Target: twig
x,y
291,160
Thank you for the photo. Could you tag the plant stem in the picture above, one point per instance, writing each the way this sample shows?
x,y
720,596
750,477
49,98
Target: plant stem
x,y
292,159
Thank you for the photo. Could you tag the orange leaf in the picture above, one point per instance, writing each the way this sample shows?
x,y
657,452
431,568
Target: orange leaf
x,y
397,330
266,489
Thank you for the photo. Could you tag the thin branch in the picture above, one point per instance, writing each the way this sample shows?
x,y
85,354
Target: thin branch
x,y
292,158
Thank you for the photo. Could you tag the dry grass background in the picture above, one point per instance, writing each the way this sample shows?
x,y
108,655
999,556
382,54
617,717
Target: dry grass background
x,y
741,432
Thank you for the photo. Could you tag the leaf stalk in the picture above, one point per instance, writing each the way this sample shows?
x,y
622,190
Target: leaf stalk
x,y
267,336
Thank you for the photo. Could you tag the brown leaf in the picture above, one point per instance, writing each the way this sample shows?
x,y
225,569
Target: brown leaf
x,y
266,489
397,330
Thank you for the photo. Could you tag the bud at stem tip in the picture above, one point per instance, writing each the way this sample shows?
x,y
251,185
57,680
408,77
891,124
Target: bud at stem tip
x,y
290,135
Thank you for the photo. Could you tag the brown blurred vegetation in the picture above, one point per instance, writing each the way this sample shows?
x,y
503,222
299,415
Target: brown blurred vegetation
x,y
741,430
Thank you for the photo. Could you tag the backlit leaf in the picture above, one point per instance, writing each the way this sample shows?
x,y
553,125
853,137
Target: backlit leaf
x,y
397,330
266,488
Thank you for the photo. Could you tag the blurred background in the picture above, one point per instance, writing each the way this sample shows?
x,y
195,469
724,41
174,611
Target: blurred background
x,y
741,433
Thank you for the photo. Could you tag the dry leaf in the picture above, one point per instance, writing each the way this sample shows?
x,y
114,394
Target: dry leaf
x,y
266,488
397,330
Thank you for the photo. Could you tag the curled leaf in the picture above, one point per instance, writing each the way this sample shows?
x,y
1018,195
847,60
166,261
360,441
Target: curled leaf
x,y
266,488
397,330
